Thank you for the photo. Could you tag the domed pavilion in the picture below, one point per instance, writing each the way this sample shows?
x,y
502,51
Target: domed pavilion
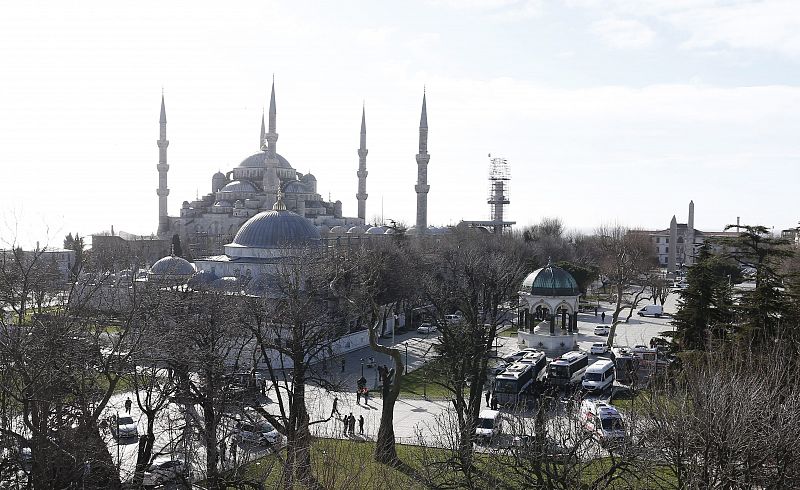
x,y
548,313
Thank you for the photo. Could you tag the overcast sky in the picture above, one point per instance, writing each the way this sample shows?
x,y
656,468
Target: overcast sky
x,y
607,110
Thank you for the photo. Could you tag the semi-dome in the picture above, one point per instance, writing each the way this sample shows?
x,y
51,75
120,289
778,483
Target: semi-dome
x,y
376,230
338,230
550,281
309,177
276,228
355,230
239,186
257,161
295,186
172,265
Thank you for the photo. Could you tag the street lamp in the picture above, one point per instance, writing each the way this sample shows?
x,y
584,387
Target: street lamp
x,y
362,367
405,368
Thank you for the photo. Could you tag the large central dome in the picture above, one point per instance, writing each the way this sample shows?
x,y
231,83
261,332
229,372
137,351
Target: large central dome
x,y
274,229
257,161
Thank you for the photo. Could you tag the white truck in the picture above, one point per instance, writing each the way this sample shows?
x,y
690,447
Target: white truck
x,y
652,310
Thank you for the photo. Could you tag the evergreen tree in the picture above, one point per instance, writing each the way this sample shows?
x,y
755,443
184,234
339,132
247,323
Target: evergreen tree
x,y
761,309
177,249
705,307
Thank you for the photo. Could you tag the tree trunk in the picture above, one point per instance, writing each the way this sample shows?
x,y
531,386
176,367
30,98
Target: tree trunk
x,y
385,451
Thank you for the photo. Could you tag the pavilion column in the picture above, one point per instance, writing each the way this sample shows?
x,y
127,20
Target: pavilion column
x,y
552,324
563,318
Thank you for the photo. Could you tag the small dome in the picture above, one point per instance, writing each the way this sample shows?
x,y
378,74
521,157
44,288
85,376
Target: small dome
x,y
172,266
389,231
309,177
338,230
239,186
550,281
376,230
238,204
355,230
257,161
218,176
272,229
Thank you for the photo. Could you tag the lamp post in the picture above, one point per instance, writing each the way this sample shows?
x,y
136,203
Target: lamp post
x,y
405,368
362,367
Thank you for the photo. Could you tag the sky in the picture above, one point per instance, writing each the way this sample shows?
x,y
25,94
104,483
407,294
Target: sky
x,y
608,111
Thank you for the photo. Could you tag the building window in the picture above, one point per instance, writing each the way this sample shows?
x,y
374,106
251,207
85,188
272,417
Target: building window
x,y
658,239
666,250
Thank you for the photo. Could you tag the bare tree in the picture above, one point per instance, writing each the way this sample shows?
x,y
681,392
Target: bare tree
x,y
625,257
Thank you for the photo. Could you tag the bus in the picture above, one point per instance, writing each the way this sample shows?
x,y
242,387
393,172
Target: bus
x,y
567,369
599,376
513,383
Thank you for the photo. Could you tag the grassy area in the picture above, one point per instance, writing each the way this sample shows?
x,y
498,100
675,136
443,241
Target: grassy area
x,y
423,381
509,332
346,464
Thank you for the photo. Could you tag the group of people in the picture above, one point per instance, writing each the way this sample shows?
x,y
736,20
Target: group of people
x,y
350,424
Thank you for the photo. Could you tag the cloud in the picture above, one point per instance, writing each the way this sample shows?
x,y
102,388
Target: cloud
x,y
624,33
373,36
498,10
768,25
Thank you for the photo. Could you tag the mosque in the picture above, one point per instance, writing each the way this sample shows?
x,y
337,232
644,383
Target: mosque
x,y
263,210
208,225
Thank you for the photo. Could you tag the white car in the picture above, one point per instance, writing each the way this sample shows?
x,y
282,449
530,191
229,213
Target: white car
x,y
258,432
489,425
599,348
164,471
602,330
426,328
122,427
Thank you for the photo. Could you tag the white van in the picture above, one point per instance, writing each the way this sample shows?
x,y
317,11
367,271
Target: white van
x,y
652,310
599,376
489,424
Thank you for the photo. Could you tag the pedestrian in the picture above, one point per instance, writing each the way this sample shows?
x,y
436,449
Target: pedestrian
x,y
358,396
128,405
488,395
352,424
494,403
343,362
223,451
360,424
335,406
595,311
346,422
603,316
366,396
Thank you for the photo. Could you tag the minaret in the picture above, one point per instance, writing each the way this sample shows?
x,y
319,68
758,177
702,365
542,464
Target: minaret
x,y
673,245
423,158
362,169
262,142
689,246
163,168
271,181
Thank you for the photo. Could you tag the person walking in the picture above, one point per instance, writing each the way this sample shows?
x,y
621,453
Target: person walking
x,y
358,396
360,424
335,406
488,395
366,396
352,424
595,311
603,316
494,403
128,405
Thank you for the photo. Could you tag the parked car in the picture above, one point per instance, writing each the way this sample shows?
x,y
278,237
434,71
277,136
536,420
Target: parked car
x,y
426,328
122,427
599,348
602,330
164,471
490,424
651,310
257,432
